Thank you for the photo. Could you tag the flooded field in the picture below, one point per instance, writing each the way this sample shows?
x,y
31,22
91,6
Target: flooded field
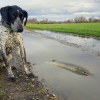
x,y
44,46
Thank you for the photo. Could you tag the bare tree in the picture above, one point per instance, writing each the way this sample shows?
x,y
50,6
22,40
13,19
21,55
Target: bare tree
x,y
91,19
76,20
80,20
33,21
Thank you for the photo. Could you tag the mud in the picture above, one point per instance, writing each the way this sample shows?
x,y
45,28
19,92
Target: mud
x,y
24,88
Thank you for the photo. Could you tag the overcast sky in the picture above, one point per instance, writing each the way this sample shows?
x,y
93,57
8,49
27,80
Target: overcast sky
x,y
58,10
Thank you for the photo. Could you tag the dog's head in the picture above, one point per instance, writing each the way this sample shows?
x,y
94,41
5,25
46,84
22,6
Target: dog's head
x,y
14,16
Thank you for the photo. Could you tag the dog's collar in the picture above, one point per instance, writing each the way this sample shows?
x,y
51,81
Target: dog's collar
x,y
6,25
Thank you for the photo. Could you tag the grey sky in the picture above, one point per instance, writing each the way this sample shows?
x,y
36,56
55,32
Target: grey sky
x,y
59,10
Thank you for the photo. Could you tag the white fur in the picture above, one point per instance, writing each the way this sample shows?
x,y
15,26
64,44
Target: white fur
x,y
13,40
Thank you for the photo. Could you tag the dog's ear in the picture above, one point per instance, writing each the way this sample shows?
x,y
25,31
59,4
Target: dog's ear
x,y
25,15
4,13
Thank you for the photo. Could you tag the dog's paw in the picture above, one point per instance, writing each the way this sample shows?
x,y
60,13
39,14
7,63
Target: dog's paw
x,y
13,79
13,68
30,74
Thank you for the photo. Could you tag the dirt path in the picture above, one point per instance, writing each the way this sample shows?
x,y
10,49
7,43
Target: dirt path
x,y
24,88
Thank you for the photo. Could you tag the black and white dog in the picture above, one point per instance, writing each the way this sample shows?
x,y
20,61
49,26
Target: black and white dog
x,y
10,37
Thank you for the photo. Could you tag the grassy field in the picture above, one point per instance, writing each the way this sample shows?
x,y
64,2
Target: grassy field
x,y
78,28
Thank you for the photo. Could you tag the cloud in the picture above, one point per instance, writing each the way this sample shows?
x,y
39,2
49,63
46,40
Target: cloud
x,y
87,13
42,8
98,1
57,7
55,11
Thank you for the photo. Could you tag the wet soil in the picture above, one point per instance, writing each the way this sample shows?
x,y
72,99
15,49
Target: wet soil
x,y
24,88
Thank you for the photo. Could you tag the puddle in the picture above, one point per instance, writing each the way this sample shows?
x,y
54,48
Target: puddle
x,y
67,85
83,41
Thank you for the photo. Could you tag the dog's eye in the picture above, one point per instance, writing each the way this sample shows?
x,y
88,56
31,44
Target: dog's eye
x,y
12,15
22,17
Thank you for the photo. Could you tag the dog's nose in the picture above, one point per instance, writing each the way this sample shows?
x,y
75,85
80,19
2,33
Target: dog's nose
x,y
20,29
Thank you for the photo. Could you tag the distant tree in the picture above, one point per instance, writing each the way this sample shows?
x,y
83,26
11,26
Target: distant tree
x,y
52,22
33,21
80,20
76,20
44,21
91,19
99,18
59,22
68,21
71,20
83,19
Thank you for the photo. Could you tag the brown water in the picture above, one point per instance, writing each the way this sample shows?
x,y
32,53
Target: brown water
x,y
67,85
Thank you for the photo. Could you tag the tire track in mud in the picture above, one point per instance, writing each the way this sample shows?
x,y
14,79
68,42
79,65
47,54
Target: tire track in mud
x,y
83,48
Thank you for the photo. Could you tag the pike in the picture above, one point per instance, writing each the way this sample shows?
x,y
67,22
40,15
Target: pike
x,y
71,67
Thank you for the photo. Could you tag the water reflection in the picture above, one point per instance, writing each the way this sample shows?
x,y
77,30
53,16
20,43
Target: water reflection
x,y
65,84
80,40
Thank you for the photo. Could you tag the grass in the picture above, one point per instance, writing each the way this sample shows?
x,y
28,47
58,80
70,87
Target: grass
x,y
92,29
30,85
3,96
93,45
41,91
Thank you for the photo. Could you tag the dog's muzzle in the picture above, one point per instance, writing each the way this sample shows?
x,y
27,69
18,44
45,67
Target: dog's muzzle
x,y
20,29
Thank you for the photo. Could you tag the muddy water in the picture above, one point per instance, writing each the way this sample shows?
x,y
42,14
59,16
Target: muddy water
x,y
67,85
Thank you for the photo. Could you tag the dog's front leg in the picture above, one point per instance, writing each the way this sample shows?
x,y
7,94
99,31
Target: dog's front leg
x,y
23,56
9,70
10,74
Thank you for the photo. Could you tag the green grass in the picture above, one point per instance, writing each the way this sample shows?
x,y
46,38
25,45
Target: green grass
x,y
41,91
3,96
77,28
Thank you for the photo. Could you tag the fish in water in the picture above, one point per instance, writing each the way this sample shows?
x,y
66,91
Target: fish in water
x,y
71,67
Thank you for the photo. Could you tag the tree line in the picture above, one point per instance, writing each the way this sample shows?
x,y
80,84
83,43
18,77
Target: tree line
x,y
44,21
75,20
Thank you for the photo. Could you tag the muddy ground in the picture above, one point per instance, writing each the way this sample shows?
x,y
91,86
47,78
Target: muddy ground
x,y
24,88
